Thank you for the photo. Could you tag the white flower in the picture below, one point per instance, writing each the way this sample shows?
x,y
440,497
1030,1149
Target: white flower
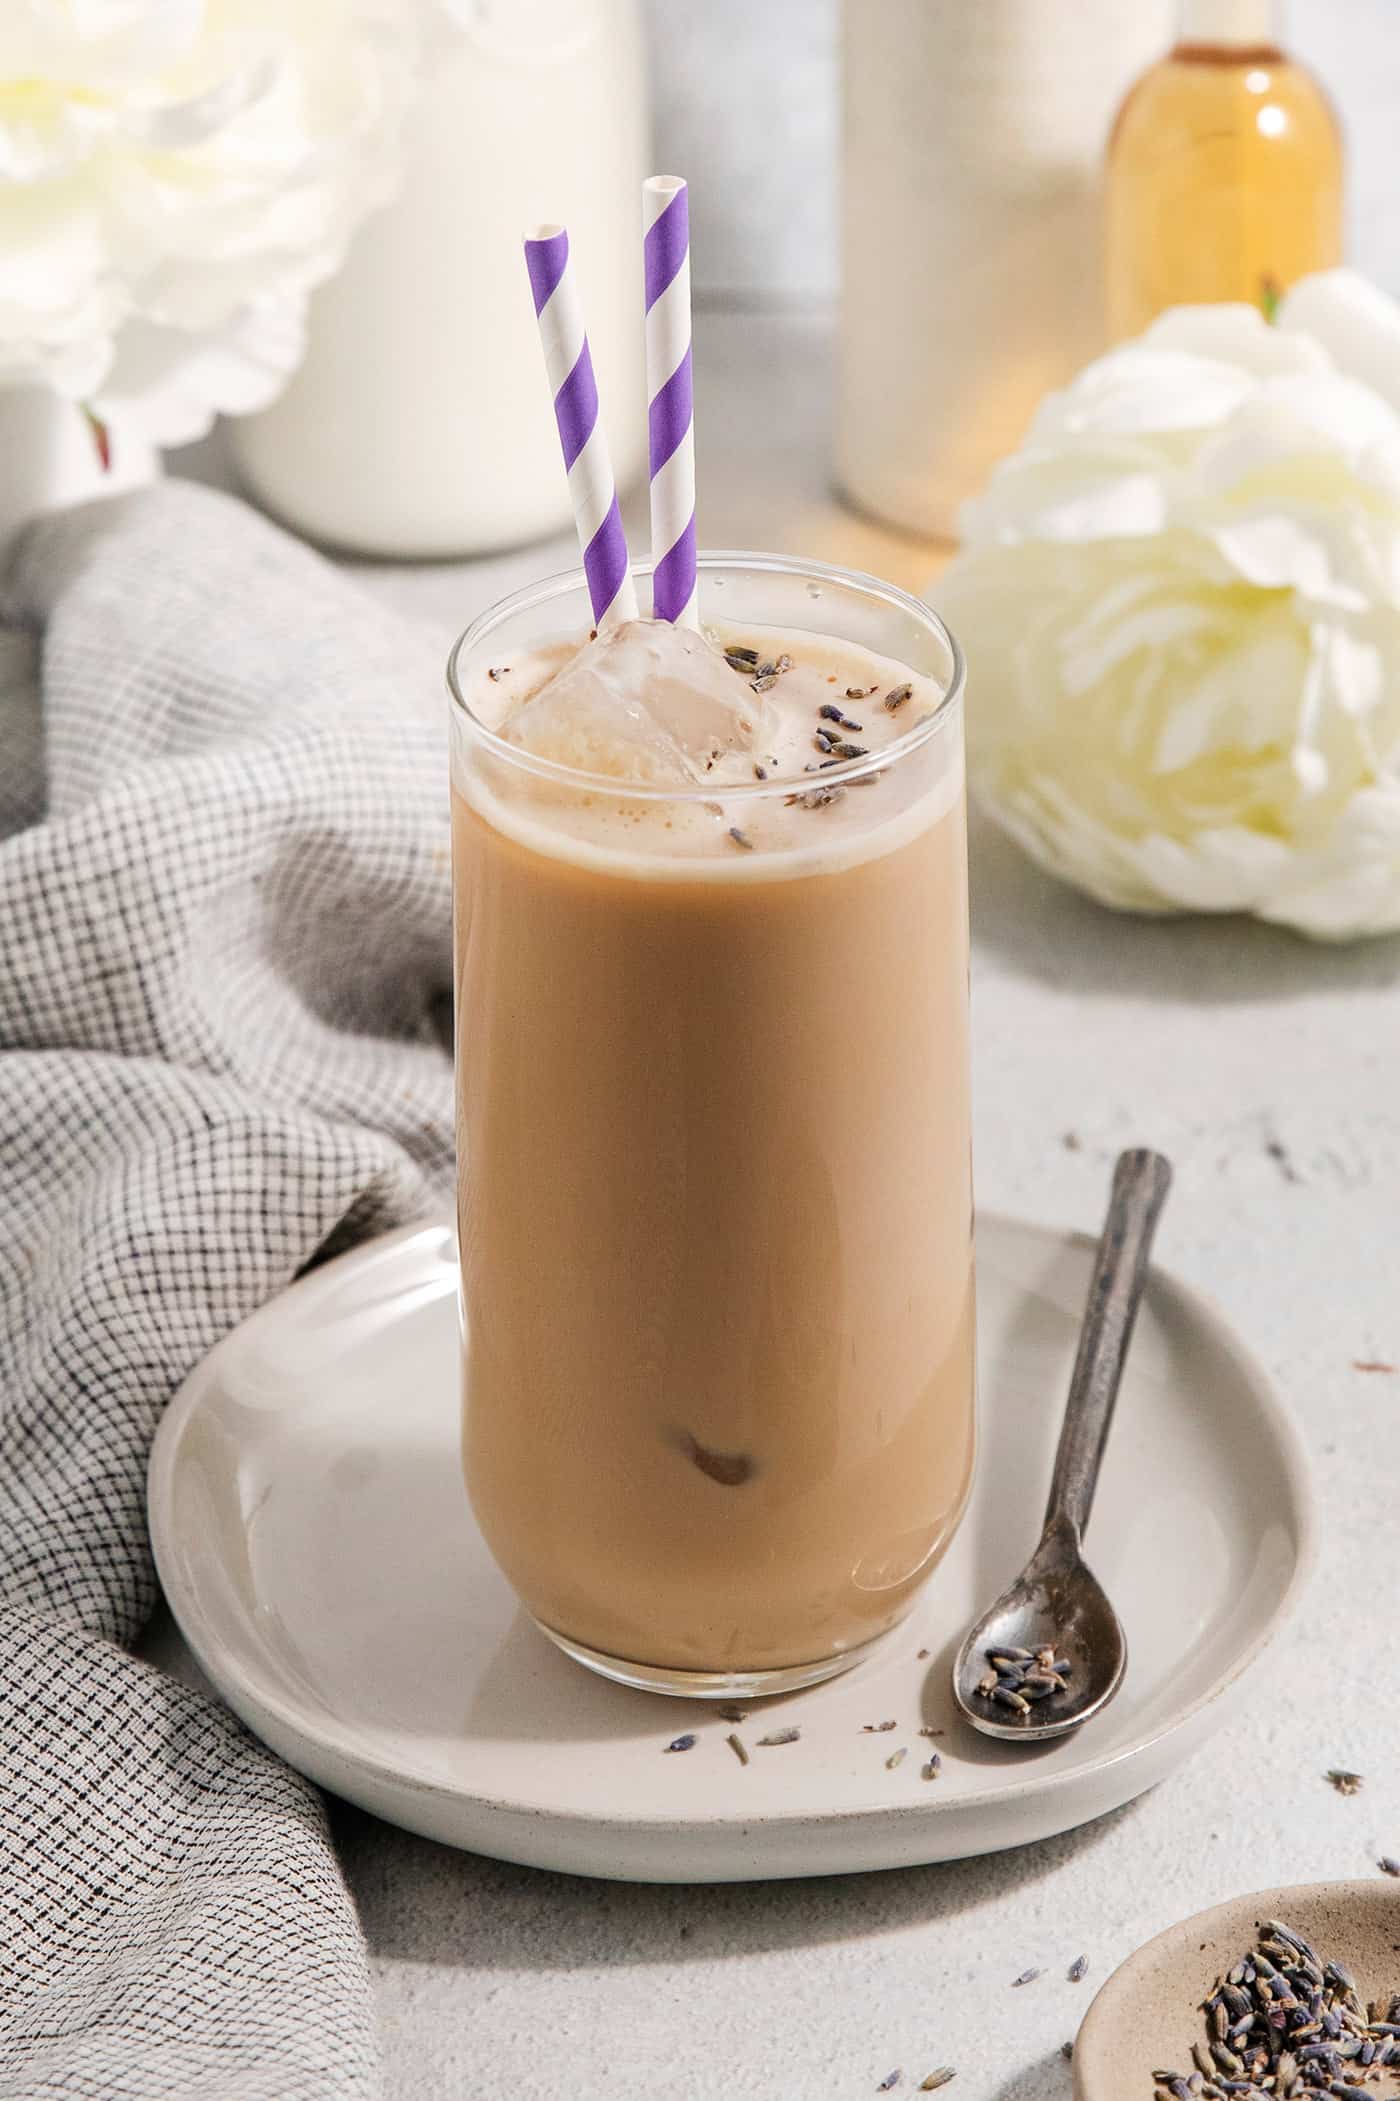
x,y
1180,602
175,175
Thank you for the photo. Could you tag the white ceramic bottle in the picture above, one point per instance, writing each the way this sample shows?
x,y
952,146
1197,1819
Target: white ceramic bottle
x,y
419,424
974,138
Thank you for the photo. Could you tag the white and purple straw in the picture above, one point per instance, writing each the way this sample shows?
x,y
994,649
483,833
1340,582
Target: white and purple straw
x,y
670,412
591,485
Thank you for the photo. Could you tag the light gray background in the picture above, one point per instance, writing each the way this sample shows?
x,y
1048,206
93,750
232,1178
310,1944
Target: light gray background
x,y
746,100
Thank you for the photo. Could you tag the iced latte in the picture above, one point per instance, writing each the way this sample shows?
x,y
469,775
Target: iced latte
x,y
715,1197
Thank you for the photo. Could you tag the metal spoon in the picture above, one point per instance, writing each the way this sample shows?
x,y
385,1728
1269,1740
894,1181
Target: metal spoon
x,y
1056,1603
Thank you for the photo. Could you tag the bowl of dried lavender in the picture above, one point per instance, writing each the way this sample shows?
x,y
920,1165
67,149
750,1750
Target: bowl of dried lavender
x,y
1289,1995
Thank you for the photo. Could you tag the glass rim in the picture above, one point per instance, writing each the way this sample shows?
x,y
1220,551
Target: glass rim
x,y
529,596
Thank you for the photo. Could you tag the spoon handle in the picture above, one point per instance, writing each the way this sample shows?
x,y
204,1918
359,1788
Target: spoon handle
x,y
1140,1184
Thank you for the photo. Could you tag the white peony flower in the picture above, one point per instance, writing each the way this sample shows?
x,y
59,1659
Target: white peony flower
x,y
1180,602
175,175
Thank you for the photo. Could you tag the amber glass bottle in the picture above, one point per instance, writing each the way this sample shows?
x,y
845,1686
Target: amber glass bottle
x,y
1224,170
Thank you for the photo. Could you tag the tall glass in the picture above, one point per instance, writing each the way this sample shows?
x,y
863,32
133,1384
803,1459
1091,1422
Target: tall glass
x,y
715,1200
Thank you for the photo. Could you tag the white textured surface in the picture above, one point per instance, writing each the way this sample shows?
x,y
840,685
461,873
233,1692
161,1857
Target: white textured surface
x,y
1266,1068
746,106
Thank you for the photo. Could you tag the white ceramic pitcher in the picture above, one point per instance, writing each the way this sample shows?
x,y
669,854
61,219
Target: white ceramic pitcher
x,y
419,424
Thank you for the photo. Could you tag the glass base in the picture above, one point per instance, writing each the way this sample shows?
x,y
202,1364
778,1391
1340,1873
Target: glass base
x,y
712,1685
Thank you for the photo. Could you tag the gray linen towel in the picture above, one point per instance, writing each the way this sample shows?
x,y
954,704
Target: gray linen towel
x,y
224,968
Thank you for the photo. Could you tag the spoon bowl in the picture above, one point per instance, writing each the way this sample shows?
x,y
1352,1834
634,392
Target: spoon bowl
x,y
1056,1602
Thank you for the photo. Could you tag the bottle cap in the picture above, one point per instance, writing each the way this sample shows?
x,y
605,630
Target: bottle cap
x,y
1243,22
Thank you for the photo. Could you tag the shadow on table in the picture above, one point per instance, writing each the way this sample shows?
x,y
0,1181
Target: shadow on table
x,y
1049,2079
421,1902
1043,929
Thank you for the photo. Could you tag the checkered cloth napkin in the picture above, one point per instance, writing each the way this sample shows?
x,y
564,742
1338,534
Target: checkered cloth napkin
x,y
224,975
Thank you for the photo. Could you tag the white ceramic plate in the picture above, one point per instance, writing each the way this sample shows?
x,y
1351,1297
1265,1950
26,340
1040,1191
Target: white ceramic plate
x,y
314,1540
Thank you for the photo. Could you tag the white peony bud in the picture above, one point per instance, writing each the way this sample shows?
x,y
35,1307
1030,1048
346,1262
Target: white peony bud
x,y
1180,602
177,175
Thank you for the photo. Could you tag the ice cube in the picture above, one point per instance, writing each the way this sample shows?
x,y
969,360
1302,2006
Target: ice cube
x,y
644,702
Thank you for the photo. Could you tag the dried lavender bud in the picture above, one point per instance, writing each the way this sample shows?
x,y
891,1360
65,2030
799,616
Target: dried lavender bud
x,y
778,1736
681,1743
741,838
896,697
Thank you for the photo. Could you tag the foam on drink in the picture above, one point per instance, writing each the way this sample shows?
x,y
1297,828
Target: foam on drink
x,y
653,706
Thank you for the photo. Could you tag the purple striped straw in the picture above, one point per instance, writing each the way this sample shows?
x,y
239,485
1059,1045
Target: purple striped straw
x,y
591,485
671,408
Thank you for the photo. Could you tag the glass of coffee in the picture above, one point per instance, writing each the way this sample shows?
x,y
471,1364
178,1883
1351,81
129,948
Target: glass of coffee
x,y
715,1202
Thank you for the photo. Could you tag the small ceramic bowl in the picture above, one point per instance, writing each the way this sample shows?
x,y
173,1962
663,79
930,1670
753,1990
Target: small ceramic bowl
x,y
1148,2012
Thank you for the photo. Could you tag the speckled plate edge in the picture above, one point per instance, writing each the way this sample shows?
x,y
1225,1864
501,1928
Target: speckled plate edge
x,y
647,1847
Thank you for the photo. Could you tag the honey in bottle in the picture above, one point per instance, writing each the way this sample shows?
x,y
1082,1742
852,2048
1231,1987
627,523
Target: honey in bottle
x,y
1225,172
